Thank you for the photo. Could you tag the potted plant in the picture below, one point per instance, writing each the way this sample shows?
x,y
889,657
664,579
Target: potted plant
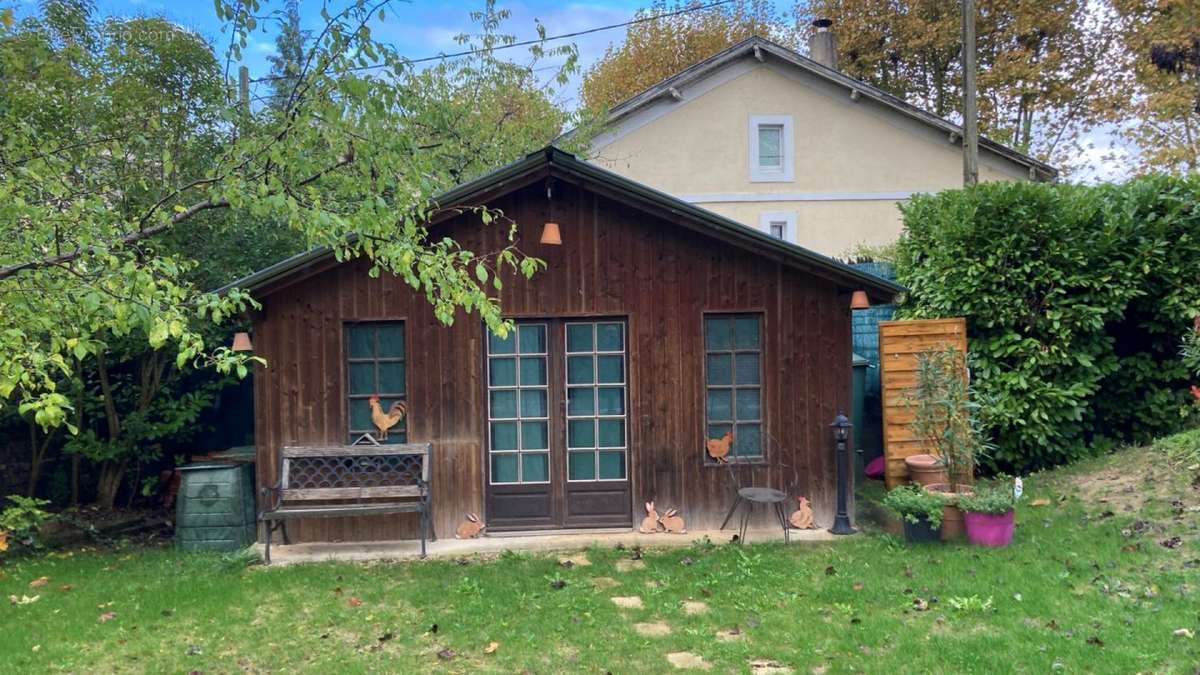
x,y
988,513
920,511
945,422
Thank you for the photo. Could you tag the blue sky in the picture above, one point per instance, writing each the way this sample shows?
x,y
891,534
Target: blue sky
x,y
418,28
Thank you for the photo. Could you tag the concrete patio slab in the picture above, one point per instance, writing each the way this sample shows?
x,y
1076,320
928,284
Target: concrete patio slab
x,y
560,540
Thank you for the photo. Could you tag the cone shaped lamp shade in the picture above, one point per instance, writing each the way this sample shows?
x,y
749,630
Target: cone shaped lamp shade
x,y
241,342
859,300
550,234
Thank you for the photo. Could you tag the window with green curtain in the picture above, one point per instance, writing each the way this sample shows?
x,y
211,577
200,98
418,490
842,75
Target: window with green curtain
x,y
375,365
733,381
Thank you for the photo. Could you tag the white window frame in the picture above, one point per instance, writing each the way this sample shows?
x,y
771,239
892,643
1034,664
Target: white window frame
x,y
785,173
787,217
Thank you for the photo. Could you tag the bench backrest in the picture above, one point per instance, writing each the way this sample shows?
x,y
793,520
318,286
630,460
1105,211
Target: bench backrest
x,y
354,471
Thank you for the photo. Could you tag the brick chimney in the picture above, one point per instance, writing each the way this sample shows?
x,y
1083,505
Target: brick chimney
x,y
822,44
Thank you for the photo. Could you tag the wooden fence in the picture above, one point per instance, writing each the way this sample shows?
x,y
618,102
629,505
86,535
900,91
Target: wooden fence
x,y
899,344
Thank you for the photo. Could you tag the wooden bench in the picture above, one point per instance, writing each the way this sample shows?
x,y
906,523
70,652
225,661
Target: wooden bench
x,y
364,480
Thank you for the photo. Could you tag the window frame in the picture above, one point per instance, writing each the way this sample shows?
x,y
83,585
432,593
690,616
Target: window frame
x,y
732,387
595,386
788,218
517,388
786,172
348,360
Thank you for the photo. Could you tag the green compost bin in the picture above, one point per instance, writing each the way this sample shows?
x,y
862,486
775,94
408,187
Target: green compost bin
x,y
215,510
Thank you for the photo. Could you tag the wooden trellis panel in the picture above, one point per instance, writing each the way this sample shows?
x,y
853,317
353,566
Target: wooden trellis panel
x,y
899,344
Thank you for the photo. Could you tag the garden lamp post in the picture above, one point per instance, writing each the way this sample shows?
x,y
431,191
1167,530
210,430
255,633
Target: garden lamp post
x,y
841,434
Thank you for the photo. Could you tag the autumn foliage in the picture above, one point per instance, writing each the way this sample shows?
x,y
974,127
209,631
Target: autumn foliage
x,y
655,50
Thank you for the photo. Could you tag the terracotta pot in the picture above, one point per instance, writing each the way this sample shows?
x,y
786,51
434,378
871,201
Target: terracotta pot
x,y
925,470
952,517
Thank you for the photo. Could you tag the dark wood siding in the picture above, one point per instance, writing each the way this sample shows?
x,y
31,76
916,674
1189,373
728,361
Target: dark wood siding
x,y
616,261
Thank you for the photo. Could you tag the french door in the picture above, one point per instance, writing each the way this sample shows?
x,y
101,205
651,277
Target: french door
x,y
557,451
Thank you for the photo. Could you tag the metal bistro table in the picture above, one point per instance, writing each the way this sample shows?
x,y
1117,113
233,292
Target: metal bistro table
x,y
750,496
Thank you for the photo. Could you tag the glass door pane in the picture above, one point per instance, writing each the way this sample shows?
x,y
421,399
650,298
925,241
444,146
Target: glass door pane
x,y
597,439
518,409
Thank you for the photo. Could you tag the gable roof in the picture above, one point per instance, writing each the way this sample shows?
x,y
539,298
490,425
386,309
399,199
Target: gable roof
x,y
551,161
759,47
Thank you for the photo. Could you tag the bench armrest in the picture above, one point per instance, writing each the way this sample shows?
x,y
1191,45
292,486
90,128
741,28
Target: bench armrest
x,y
276,490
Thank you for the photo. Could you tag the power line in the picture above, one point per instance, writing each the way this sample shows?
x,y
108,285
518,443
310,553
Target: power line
x,y
526,43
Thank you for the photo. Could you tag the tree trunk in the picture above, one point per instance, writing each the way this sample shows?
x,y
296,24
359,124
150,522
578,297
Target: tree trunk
x,y
108,484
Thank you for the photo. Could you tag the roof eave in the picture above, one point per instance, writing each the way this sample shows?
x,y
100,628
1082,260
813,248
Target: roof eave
x,y
553,157
746,48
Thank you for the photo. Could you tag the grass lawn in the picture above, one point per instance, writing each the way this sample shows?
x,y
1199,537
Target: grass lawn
x,y
1086,587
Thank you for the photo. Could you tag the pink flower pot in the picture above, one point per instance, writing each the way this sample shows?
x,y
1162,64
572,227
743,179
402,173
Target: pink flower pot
x,y
989,529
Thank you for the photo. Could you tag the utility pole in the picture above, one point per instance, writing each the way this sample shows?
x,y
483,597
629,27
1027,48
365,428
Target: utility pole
x,y
970,109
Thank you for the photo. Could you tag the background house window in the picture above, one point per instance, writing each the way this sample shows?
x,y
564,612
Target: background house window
x,y
519,406
733,380
375,366
771,149
779,224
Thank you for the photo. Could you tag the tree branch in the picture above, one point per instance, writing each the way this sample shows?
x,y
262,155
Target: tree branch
x,y
154,230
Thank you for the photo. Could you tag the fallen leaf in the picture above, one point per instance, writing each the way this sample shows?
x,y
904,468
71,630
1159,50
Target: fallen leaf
x,y
107,616
446,654
1093,640
558,584
1184,633
354,602
830,571
920,605
39,582
1172,543
23,600
65,587
386,636
1040,502
37,648
491,648
858,586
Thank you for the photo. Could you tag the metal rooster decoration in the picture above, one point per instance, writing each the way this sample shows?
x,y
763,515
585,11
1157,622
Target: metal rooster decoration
x,y
718,448
384,421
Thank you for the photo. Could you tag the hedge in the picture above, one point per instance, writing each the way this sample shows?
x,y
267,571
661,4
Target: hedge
x,y
1077,299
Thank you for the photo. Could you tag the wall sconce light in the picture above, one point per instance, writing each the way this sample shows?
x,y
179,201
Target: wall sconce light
x,y
858,300
241,342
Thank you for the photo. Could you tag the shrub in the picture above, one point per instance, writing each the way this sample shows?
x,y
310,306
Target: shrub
x,y
944,414
996,498
912,503
20,521
1076,299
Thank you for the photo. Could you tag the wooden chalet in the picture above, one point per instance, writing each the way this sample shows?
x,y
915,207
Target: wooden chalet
x,y
655,326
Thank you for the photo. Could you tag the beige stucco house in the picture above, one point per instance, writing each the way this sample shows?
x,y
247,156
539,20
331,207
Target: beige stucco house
x,y
780,142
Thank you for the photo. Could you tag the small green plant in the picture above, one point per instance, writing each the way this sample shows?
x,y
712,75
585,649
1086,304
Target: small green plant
x,y
996,499
1181,449
234,561
20,521
971,604
913,504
